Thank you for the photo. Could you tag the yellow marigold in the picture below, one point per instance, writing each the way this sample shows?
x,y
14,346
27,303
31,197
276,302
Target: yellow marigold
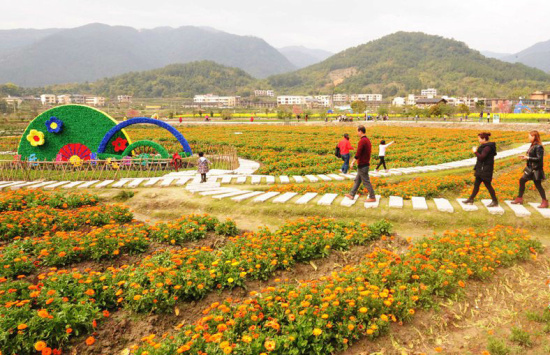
x,y
317,331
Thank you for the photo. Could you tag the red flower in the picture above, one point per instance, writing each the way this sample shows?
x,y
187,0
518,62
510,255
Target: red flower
x,y
120,144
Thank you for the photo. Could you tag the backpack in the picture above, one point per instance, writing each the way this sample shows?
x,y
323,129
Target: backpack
x,y
337,152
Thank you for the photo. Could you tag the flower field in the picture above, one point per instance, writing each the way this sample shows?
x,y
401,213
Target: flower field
x,y
300,150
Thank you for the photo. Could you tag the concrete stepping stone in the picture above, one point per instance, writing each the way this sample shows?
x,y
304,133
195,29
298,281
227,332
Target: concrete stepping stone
x,y
324,177
5,183
545,212
120,183
151,182
256,179
184,180
419,203
231,194
135,183
493,210
396,202
23,184
284,179
346,202
284,197
327,199
12,183
465,207
195,189
87,184
519,210
241,179
270,179
104,183
336,177
58,184
298,179
216,191
306,198
73,184
348,176
167,181
226,179
266,196
443,205
246,196
39,185
373,204
312,178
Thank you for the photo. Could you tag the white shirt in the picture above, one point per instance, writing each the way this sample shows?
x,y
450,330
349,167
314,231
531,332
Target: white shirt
x,y
382,149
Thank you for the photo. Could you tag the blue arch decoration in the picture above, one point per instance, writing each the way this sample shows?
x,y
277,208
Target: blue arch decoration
x,y
146,120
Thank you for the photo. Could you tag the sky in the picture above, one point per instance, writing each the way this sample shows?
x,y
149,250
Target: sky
x,y
500,26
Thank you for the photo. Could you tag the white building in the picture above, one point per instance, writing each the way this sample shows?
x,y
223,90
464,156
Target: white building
x,y
398,101
324,100
48,99
366,97
124,98
95,101
269,93
13,100
411,100
216,101
291,100
64,99
78,99
429,93
340,98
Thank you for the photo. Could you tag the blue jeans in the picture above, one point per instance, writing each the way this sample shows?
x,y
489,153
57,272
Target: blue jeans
x,y
345,166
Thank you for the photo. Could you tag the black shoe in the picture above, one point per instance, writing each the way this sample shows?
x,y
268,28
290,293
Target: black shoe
x,y
469,201
493,204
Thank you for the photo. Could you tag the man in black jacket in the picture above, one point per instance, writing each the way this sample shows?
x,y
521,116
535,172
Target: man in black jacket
x,y
484,168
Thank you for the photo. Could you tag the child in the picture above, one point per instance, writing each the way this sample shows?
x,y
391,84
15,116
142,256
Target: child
x,y
203,166
382,154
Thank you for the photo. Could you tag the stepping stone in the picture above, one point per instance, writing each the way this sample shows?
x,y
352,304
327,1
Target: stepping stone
x,y
120,183
135,183
24,184
396,202
231,194
298,179
241,179
443,205
519,210
12,184
312,178
5,183
346,202
335,177
270,179
57,184
184,180
216,191
284,179
419,203
42,184
73,184
373,204
284,197
545,212
465,207
348,176
493,210
256,180
104,183
324,177
327,199
151,182
226,179
167,181
266,196
195,189
306,198
247,196
87,184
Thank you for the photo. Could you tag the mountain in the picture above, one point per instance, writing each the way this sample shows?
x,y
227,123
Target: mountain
x,y
536,56
406,62
12,39
96,51
174,80
302,57
495,55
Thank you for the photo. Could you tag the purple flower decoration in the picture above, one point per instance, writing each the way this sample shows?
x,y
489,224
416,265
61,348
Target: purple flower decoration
x,y
54,125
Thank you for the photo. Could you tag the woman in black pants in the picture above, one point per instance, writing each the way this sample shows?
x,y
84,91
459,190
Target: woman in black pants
x,y
484,168
534,170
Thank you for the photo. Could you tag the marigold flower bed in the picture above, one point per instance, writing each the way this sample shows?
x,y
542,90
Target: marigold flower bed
x,y
24,199
326,315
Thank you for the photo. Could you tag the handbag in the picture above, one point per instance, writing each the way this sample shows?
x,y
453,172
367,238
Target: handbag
x,y
337,152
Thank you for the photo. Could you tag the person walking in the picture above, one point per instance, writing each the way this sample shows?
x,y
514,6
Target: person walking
x,y
534,169
382,154
203,166
362,157
483,170
345,147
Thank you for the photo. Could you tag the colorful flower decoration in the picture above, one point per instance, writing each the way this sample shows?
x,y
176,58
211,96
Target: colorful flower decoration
x,y
72,149
35,137
120,144
75,160
54,125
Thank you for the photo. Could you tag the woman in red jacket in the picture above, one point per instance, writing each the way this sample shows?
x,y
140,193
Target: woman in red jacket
x,y
345,147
